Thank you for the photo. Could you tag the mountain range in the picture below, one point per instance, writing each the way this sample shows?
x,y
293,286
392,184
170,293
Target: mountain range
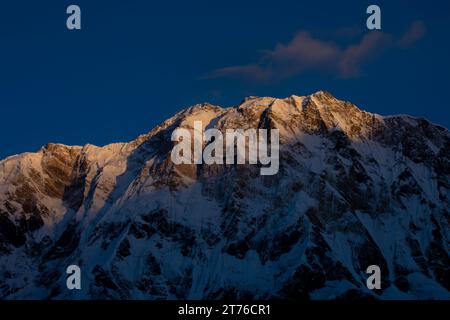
x,y
354,189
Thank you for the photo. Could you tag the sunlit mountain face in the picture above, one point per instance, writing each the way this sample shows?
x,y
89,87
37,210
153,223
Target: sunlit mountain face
x,y
353,189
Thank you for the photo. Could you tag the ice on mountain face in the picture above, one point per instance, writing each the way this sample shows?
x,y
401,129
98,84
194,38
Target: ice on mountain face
x,y
354,189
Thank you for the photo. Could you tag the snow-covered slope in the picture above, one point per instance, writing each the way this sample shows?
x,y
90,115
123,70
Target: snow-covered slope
x,y
354,189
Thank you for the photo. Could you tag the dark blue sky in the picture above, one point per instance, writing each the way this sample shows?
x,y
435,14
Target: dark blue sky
x,y
135,63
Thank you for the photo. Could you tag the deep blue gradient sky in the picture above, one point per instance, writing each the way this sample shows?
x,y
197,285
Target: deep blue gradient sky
x,y
136,63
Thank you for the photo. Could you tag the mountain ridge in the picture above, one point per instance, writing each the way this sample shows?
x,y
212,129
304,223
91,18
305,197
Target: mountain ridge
x,y
246,99
354,189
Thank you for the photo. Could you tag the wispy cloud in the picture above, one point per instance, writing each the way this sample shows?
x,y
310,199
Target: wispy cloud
x,y
351,59
416,31
308,53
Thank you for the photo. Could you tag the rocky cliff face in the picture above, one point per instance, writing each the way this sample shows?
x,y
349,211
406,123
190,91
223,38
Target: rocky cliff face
x,y
353,189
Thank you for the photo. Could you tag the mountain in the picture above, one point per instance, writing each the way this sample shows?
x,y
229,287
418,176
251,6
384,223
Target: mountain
x,y
354,189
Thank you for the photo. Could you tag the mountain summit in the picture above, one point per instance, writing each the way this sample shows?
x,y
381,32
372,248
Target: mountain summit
x,y
354,189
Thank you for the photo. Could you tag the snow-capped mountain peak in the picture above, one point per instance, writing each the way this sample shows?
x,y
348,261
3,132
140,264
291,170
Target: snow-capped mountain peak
x,y
354,189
